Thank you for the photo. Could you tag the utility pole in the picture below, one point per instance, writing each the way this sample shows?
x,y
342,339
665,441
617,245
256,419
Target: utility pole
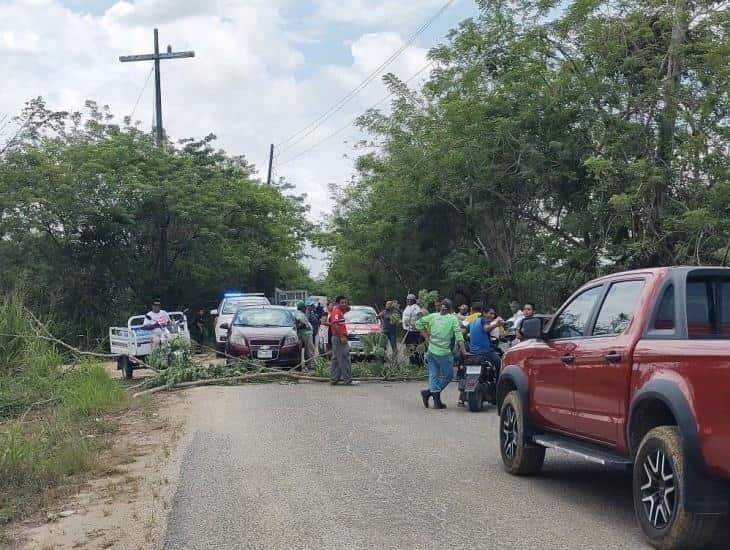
x,y
156,57
160,137
271,163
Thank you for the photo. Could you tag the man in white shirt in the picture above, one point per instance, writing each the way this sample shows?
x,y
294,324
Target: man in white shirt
x,y
514,322
411,314
156,321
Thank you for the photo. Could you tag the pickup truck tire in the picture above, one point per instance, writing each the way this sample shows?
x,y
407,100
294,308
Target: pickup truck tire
x,y
519,456
659,498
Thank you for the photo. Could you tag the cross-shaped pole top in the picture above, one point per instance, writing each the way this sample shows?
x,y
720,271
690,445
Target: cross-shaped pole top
x,y
156,57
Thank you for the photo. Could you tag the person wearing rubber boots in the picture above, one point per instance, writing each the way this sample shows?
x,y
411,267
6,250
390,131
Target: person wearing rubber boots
x,y
442,328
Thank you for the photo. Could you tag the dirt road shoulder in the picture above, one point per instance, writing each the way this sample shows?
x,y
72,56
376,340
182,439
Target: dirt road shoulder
x,y
125,504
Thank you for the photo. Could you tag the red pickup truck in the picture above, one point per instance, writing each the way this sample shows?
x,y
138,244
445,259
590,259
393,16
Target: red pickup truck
x,y
633,371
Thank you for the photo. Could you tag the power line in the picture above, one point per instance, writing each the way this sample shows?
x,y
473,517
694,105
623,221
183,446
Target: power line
x,y
139,97
303,133
353,121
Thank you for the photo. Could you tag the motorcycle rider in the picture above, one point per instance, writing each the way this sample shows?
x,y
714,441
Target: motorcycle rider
x,y
156,321
480,337
489,315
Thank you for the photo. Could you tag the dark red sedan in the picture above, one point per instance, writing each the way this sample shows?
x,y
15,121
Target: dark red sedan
x,y
267,333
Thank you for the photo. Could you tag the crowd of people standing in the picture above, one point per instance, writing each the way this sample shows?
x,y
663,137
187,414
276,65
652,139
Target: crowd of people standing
x,y
445,333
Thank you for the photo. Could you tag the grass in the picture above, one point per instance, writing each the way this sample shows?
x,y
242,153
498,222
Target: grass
x,y
47,413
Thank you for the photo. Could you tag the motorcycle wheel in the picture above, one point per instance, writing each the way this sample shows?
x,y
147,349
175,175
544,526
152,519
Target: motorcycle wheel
x,y
475,400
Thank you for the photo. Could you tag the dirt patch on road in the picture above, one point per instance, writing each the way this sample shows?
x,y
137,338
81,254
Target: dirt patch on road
x,y
124,503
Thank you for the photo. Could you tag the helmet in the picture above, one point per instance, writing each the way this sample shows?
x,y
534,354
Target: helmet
x,y
411,297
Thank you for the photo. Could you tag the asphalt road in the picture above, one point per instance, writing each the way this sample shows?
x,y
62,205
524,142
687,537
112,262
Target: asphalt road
x,y
315,466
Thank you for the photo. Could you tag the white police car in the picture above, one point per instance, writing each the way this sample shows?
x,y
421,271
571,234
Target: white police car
x,y
230,303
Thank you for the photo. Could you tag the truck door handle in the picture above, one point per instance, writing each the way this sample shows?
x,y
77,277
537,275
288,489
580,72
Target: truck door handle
x,y
613,357
567,359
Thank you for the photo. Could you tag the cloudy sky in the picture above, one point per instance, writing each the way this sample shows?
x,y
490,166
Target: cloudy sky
x,y
264,69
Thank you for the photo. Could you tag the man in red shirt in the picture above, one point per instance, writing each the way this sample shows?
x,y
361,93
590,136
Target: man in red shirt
x,y
341,367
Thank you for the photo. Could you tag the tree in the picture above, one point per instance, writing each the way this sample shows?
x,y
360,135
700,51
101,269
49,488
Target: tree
x,y
544,151
96,220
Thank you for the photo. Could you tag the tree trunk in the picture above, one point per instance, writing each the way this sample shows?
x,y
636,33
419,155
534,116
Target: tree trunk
x,y
667,123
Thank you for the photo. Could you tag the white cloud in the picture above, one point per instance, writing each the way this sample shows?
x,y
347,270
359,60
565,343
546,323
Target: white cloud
x,y
252,81
367,12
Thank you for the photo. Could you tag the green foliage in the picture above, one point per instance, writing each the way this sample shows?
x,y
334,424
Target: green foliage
x,y
35,458
375,365
87,390
97,221
545,151
45,411
176,353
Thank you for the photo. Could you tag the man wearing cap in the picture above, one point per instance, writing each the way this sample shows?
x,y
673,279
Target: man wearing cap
x,y
443,329
411,314
155,321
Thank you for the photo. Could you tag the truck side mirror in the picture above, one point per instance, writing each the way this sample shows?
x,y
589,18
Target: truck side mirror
x,y
214,312
531,328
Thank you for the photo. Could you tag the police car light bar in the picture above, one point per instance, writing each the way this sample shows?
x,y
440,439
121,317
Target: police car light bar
x,y
233,294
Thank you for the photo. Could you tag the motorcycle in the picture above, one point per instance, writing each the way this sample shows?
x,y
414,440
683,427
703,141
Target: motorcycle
x,y
478,380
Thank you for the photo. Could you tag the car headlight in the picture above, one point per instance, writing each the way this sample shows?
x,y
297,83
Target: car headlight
x,y
238,339
291,340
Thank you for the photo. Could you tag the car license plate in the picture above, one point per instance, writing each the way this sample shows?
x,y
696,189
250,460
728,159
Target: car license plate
x,y
265,354
474,369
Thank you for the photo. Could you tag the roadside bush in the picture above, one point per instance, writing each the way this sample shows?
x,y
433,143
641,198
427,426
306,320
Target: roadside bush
x,y
87,390
37,456
44,411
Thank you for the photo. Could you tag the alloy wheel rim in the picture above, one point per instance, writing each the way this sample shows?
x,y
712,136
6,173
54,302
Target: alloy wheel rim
x,y
658,490
509,432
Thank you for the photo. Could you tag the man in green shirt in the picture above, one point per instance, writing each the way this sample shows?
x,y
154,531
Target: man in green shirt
x,y
442,330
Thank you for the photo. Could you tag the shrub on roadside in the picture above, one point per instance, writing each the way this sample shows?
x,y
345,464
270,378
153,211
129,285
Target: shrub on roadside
x,y
44,411
87,390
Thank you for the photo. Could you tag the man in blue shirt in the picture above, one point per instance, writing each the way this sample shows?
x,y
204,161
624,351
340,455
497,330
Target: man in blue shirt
x,y
480,338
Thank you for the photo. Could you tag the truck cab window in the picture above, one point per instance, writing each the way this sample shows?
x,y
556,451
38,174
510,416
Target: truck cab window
x,y
725,308
665,315
573,320
708,307
618,308
699,309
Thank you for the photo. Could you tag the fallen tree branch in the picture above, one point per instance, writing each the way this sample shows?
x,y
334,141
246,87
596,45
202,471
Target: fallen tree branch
x,y
260,376
74,350
210,382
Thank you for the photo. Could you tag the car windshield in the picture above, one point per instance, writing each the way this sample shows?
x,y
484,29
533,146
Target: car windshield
x,y
231,305
263,317
361,317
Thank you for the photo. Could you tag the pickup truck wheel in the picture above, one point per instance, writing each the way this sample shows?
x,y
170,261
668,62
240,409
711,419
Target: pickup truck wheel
x,y
519,456
475,400
659,498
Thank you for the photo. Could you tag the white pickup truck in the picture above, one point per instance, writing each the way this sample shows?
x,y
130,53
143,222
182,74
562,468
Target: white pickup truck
x,y
227,309
134,342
